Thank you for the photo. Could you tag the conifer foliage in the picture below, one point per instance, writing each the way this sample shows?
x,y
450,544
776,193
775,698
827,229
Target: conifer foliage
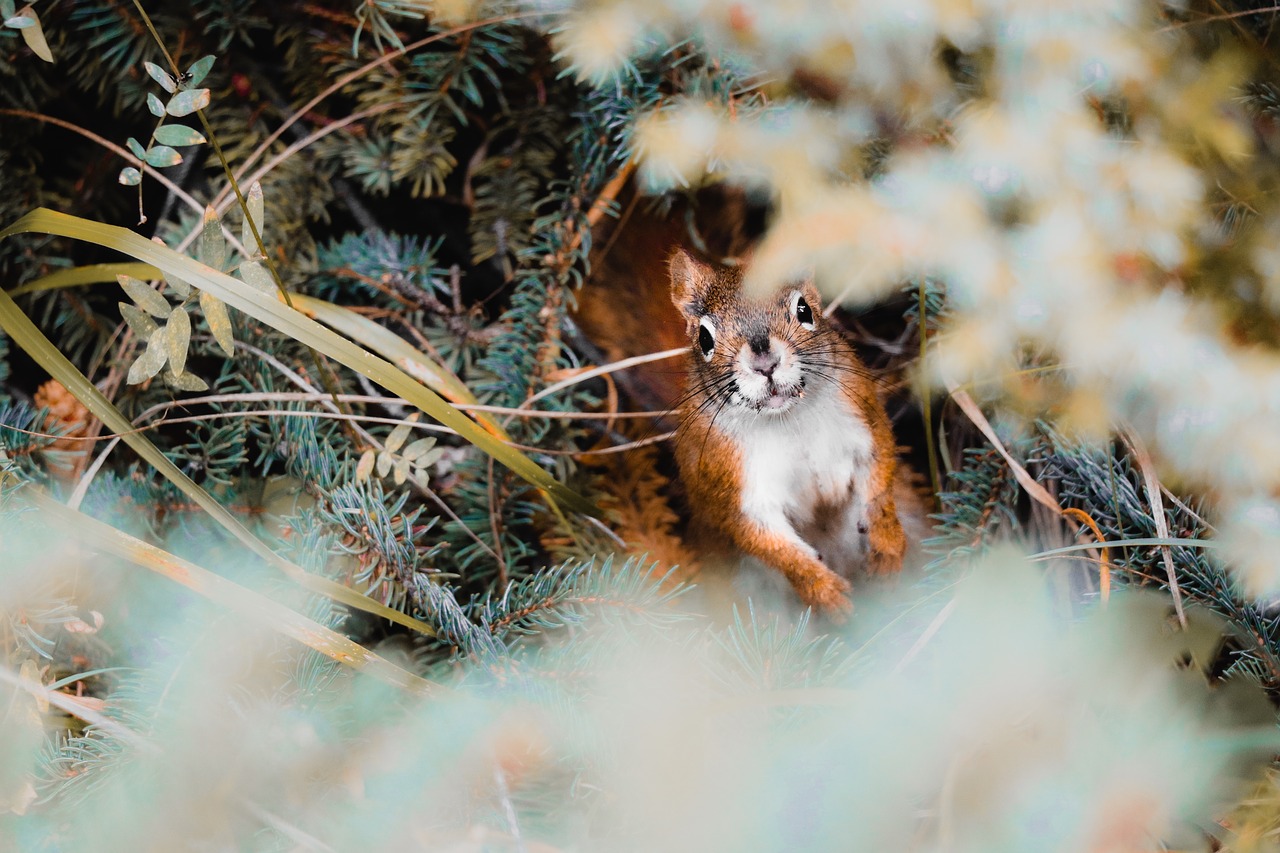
x,y
253,598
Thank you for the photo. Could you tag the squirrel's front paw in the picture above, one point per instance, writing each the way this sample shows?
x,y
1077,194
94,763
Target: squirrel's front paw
x,y
829,593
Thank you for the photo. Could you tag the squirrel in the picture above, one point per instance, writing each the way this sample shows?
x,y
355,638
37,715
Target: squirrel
x,y
783,445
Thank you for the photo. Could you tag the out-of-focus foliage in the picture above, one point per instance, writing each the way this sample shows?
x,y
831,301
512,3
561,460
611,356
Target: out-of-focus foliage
x,y
1076,198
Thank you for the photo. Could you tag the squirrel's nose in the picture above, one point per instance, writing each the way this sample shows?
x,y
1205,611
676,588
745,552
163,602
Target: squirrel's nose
x,y
765,363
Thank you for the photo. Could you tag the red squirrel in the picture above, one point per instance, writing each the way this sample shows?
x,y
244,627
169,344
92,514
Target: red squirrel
x,y
783,445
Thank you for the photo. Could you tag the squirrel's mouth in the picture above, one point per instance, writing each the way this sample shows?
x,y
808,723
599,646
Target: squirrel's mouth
x,y
776,399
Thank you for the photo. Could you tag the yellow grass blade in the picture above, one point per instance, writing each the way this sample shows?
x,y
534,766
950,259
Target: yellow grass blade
x,y
272,312
395,349
90,274
25,334
106,539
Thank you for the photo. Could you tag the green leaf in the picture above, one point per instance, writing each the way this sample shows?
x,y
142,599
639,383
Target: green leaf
x,y
8,8
143,326
146,298
178,134
215,314
161,76
18,22
135,148
253,201
187,101
155,105
162,155
256,276
199,70
178,338
130,176
152,359
213,249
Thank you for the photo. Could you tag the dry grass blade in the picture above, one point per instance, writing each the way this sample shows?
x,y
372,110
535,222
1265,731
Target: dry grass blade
x,y
90,274
25,334
1156,499
395,349
106,539
272,312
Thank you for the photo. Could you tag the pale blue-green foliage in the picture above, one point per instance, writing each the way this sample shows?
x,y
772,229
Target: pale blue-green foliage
x,y
590,711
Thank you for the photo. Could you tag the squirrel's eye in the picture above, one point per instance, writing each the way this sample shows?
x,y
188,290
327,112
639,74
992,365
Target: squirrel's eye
x,y
804,314
706,339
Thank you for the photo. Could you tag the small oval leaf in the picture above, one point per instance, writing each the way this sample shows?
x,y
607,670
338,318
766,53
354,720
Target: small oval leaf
x,y
179,338
419,447
144,297
180,287
365,466
256,276
215,314
152,359
185,381
188,101
401,470
161,76
385,461
178,134
155,105
143,326
135,148
162,155
199,70
400,433
213,249
18,22
130,176
253,201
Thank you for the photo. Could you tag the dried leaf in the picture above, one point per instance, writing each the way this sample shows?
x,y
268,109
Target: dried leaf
x,y
401,470
419,447
34,35
430,457
256,276
161,76
152,359
385,461
213,249
178,134
252,201
400,433
179,339
215,314
185,382
180,287
365,466
145,298
186,102
141,323
30,672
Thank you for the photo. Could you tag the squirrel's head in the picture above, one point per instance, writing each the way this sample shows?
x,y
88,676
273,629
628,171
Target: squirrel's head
x,y
753,354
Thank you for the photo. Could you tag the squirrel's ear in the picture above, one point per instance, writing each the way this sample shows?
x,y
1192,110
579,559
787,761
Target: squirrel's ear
x,y
690,279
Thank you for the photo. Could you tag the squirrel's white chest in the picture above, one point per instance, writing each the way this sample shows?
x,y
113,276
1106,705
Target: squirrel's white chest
x,y
817,454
